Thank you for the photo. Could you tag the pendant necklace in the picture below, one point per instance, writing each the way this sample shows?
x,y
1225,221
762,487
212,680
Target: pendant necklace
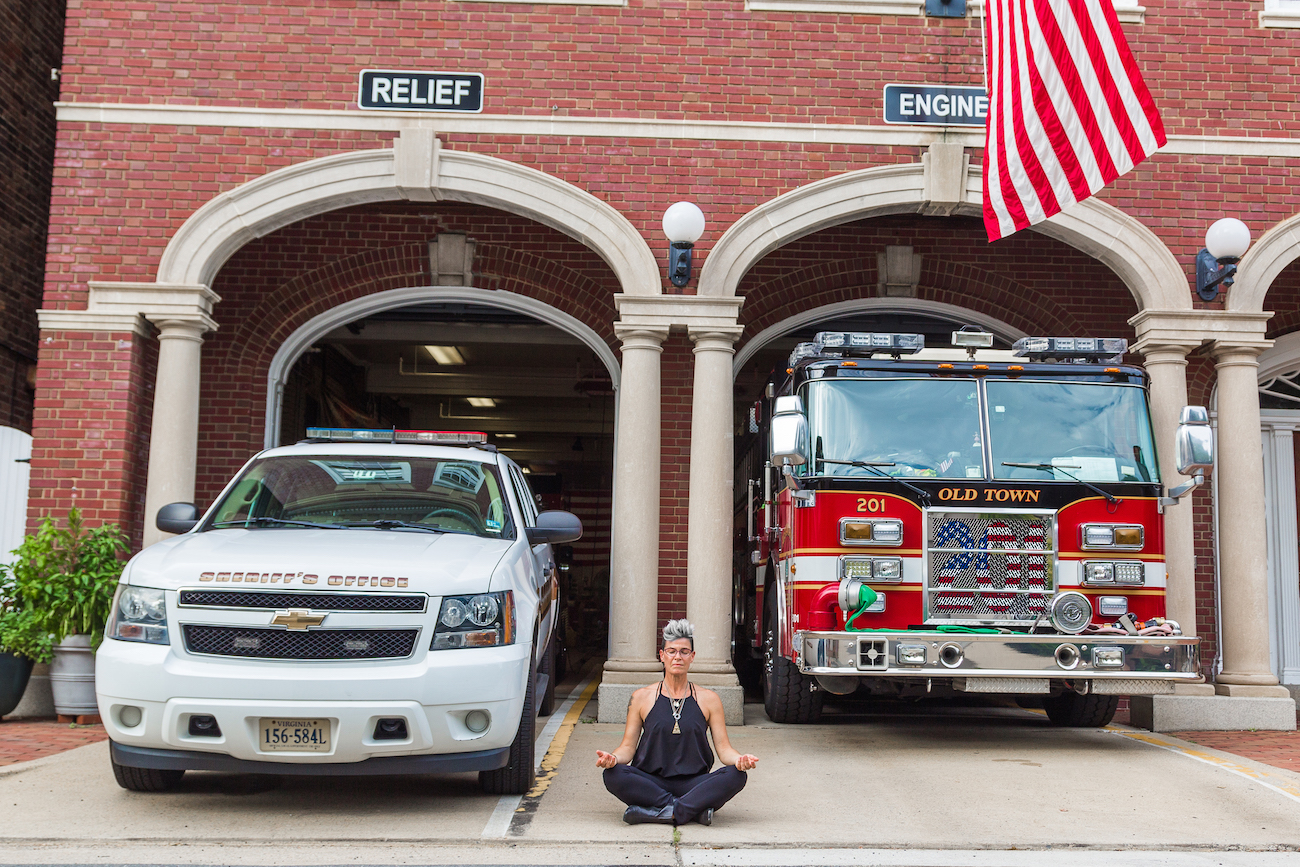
x,y
677,712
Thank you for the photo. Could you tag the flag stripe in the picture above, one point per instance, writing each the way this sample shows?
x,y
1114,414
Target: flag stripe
x,y
1068,110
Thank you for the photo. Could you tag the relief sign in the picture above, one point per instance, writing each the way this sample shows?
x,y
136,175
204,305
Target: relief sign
x,y
420,91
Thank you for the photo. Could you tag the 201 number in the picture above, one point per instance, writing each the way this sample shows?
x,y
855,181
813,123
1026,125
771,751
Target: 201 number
x,y
871,504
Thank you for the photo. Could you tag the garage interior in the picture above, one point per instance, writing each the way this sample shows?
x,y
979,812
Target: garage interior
x,y
543,397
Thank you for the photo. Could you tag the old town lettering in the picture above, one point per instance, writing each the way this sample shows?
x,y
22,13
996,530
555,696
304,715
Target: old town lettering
x,y
989,495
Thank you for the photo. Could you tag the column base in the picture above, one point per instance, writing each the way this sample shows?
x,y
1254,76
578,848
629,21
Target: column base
x,y
1172,713
614,694
1248,690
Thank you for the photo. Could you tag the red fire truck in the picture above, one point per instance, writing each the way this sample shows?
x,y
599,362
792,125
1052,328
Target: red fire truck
x,y
959,520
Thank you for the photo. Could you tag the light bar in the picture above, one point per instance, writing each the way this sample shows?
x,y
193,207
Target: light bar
x,y
1087,348
835,344
426,437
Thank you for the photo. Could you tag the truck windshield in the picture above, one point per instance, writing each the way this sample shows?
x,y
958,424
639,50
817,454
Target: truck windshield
x,y
421,494
926,428
1091,431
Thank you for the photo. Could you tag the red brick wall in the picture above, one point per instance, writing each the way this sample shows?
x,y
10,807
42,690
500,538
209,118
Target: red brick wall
x,y
92,427
677,373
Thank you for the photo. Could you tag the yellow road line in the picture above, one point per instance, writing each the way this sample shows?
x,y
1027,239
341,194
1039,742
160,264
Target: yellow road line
x,y
1282,786
551,761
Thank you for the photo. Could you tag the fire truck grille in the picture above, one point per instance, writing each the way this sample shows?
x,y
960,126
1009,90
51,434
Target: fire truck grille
x,y
258,643
272,600
986,568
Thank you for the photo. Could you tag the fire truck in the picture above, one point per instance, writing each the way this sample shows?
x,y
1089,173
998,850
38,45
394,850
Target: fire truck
x,y
960,520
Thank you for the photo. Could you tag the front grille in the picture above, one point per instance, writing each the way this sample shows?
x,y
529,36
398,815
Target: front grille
x,y
272,600
260,643
988,568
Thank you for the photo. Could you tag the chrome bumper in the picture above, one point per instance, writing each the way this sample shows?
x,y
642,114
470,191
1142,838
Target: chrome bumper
x,y
973,657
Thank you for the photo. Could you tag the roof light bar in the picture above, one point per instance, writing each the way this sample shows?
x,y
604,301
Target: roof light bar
x,y
426,437
860,343
1074,348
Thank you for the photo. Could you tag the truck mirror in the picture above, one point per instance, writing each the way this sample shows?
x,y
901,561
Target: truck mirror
x,y
556,528
789,432
1195,441
177,517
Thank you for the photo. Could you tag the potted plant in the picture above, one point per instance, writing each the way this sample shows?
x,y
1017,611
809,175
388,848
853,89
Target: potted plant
x,y
61,587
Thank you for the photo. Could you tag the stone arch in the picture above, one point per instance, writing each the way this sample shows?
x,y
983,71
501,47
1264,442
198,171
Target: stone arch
x,y
313,329
416,168
1002,329
1277,248
1130,249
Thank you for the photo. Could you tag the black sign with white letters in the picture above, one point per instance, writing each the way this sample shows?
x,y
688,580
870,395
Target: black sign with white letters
x,y
929,105
420,91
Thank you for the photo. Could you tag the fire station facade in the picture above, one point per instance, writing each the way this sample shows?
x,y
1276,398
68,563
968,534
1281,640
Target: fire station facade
x,y
237,248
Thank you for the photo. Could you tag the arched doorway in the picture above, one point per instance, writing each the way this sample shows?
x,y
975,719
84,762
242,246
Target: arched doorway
x,y
539,383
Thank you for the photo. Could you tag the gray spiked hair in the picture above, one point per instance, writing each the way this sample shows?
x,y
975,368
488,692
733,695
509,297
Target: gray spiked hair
x,y
675,629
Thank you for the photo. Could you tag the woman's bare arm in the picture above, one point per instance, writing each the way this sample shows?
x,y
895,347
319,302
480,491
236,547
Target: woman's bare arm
x,y
716,717
623,753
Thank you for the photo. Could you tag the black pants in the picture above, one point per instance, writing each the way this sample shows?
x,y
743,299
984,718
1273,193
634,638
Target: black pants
x,y
694,794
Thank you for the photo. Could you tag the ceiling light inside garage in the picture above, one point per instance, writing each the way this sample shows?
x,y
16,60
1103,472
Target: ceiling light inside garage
x,y
505,436
446,354
484,402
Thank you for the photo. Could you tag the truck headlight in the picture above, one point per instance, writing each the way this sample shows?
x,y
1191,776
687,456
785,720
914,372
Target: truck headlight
x,y
1125,537
482,620
139,614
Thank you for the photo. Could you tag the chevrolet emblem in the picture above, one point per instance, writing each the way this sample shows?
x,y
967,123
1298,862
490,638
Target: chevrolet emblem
x,y
297,618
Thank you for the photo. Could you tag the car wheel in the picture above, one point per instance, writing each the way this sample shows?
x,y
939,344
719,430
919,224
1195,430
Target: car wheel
x,y
518,776
1081,711
546,704
145,779
788,696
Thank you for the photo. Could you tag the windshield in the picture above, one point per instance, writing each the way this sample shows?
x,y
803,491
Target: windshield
x,y
415,493
928,428
1092,431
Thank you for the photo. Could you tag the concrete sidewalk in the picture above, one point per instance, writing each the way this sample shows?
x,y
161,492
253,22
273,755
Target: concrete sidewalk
x,y
878,775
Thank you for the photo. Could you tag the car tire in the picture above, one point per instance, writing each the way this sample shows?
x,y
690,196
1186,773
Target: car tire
x,y
1080,711
519,774
788,696
546,704
145,779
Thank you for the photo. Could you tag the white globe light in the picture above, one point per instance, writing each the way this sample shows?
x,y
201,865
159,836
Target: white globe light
x,y
683,223
1227,239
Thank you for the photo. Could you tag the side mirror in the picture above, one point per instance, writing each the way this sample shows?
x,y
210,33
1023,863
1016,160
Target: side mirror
x,y
1195,442
789,432
555,527
177,517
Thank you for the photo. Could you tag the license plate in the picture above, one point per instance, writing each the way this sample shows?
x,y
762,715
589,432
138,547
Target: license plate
x,y
294,735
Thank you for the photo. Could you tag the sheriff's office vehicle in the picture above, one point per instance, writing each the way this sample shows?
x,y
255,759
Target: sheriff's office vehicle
x,y
363,602
963,520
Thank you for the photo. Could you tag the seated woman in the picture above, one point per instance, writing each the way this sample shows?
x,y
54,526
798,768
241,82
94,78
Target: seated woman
x,y
661,769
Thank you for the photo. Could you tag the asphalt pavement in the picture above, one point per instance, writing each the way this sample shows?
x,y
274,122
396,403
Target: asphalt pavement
x,y
875,783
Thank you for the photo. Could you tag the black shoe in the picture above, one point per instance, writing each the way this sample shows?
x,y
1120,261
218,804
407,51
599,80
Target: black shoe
x,y
649,815
706,817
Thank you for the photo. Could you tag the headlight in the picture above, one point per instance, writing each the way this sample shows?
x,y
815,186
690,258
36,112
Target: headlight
x,y
139,614
871,569
1124,537
483,620
1114,572
871,531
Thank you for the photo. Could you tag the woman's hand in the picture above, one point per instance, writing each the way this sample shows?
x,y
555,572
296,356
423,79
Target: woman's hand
x,y
605,760
746,762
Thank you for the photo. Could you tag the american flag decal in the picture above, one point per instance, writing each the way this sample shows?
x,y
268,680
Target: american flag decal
x,y
987,568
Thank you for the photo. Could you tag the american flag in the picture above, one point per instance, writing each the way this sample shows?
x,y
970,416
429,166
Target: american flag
x,y
1068,110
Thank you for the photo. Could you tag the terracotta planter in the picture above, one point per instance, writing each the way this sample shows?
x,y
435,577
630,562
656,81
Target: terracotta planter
x,y
14,673
72,677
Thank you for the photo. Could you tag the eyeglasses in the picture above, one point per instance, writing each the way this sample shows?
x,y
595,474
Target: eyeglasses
x,y
676,651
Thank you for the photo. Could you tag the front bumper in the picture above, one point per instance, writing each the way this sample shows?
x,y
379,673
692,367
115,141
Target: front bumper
x,y
1117,664
192,760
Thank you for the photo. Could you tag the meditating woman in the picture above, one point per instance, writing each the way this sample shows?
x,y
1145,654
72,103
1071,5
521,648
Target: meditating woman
x,y
661,770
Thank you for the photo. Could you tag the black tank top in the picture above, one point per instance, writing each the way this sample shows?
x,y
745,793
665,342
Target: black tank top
x,y
665,754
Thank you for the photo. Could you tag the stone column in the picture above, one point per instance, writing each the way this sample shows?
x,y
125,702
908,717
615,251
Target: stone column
x,y
710,521
1283,559
174,434
1166,364
1243,542
634,575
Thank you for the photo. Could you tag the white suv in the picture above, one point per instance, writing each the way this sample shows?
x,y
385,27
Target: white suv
x,y
363,602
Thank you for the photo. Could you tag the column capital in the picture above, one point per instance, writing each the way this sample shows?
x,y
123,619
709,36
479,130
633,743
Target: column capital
x,y
1192,328
640,336
666,311
182,328
1246,352
711,338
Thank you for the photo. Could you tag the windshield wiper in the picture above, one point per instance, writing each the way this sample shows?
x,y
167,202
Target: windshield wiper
x,y
873,465
388,524
1110,498
244,522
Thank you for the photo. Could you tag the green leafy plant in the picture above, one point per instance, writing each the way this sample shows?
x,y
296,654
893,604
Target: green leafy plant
x,y
61,583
